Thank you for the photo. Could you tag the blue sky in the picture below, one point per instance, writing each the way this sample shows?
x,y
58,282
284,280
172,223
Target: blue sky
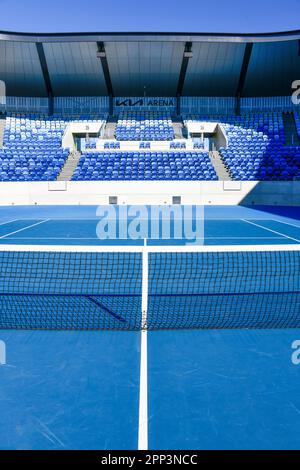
x,y
149,15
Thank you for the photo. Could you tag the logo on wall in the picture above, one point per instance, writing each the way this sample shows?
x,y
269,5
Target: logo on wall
x,y
155,102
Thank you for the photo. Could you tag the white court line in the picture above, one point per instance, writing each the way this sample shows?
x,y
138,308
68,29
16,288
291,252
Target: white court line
x,y
239,238
151,249
270,230
25,228
275,220
143,399
229,219
286,223
9,221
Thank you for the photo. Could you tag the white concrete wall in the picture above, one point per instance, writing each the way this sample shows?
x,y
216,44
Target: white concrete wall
x,y
199,127
148,192
155,145
79,128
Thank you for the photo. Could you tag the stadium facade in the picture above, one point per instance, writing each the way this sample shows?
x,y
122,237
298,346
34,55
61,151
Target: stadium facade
x,y
149,64
102,85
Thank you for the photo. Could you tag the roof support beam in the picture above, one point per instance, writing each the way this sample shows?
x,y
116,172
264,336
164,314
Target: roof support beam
x,y
101,54
243,75
187,55
46,75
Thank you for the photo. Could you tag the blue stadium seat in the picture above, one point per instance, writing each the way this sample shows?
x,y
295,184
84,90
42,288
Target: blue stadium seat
x,y
144,166
257,148
32,147
144,125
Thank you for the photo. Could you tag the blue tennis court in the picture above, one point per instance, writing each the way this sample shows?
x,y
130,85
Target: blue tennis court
x,y
225,389
164,389
78,226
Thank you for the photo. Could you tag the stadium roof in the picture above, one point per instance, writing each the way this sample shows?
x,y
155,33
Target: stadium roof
x,y
155,64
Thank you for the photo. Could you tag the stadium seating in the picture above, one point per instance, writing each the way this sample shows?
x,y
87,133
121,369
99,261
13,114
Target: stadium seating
x,y
198,145
90,145
145,166
256,147
32,149
256,150
144,126
297,121
112,145
177,145
145,145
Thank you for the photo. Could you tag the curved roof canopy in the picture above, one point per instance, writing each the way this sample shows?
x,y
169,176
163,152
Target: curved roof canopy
x,y
155,64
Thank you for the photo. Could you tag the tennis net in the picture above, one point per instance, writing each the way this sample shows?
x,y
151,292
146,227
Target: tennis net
x,y
130,288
